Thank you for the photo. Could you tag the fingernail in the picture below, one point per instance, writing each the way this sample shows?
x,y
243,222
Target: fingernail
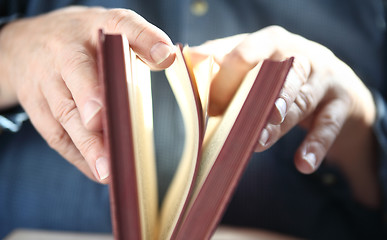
x,y
264,137
91,109
310,158
159,52
102,167
281,106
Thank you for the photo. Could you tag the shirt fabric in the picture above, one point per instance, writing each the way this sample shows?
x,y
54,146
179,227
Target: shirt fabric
x,y
39,189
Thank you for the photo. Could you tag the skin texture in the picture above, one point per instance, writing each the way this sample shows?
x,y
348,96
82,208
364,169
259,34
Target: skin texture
x,y
48,65
321,94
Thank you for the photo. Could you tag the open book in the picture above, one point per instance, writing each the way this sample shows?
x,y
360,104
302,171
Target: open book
x,y
216,152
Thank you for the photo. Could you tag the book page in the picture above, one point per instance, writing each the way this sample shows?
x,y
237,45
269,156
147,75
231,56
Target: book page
x,y
218,129
140,99
203,72
177,194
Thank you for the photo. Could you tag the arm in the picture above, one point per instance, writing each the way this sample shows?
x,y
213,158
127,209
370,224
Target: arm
x,y
48,66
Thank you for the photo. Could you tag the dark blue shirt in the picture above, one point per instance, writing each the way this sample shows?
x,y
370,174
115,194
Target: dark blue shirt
x,y
39,189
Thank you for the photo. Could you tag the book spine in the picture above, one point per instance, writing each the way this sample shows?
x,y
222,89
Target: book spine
x,y
118,138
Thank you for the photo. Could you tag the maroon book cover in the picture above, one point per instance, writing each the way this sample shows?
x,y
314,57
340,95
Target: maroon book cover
x,y
202,218
201,215
117,129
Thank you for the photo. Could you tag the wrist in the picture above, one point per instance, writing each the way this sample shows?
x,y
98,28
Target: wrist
x,y
8,96
354,150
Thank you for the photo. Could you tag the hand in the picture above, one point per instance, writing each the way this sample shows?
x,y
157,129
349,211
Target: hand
x,y
48,65
321,94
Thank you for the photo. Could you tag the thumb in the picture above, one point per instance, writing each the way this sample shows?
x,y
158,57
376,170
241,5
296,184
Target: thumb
x,y
149,42
234,67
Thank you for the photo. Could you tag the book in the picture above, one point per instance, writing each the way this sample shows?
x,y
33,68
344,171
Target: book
x,y
216,149
222,233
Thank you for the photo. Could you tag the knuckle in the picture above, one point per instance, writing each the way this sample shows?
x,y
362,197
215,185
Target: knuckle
x,y
65,111
274,133
119,20
74,60
331,123
78,162
305,100
321,143
276,32
87,147
321,54
301,67
278,37
142,28
287,95
328,129
275,29
58,138
320,139
117,17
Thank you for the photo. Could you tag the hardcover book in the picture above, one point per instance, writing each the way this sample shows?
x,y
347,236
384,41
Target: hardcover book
x,y
216,149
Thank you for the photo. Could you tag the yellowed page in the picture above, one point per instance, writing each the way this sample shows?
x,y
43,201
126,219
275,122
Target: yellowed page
x,y
203,72
178,191
218,129
139,87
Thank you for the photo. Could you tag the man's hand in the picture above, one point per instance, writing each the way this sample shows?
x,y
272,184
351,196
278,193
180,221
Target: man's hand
x,y
321,93
48,65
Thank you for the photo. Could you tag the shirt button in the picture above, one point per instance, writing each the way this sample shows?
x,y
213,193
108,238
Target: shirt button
x,y
328,179
199,7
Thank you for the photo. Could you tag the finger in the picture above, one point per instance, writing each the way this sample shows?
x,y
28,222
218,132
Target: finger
x,y
310,94
195,57
235,66
220,47
88,143
326,127
148,41
54,134
267,137
297,76
79,71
